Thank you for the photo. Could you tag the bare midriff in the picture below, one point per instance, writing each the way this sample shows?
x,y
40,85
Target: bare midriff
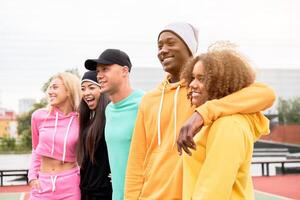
x,y
53,165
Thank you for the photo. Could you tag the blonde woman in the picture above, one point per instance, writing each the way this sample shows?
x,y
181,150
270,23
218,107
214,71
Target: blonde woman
x,y
54,173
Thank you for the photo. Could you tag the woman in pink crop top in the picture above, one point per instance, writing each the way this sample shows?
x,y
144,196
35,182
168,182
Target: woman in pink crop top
x,y
54,173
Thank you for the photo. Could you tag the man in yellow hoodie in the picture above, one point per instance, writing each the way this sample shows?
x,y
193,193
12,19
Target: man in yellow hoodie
x,y
154,169
219,168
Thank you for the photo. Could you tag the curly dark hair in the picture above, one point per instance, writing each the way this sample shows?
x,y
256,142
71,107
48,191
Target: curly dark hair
x,y
226,72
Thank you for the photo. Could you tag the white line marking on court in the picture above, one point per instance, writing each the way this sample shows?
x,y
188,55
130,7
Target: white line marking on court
x,y
22,197
273,195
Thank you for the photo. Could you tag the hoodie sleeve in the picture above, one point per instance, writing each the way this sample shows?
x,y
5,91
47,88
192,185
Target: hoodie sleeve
x,y
134,175
226,152
35,158
254,98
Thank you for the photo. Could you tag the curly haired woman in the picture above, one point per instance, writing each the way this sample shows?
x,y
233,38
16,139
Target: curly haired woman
x,y
219,167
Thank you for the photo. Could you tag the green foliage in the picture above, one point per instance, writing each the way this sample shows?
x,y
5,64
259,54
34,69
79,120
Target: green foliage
x,y
7,143
24,125
25,140
289,111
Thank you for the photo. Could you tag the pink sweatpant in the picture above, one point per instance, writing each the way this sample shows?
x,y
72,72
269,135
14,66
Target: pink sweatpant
x,y
57,186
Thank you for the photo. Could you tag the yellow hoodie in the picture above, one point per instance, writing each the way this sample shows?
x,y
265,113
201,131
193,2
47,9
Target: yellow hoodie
x,y
154,169
220,166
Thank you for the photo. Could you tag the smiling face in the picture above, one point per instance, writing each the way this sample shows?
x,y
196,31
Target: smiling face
x,y
172,53
199,94
110,77
57,93
90,94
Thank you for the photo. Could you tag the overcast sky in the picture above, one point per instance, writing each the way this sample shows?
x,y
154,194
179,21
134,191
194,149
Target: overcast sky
x,y
39,38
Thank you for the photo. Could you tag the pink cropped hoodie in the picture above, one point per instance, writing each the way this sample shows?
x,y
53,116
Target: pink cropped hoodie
x,y
54,135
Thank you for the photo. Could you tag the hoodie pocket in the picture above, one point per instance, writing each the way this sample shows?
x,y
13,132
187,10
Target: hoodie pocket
x,y
163,173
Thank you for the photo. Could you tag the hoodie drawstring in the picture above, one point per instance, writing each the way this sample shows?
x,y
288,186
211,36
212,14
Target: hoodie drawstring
x,y
53,181
159,112
65,140
53,137
175,115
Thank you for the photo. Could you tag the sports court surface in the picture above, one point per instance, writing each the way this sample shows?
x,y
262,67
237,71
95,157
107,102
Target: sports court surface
x,y
285,187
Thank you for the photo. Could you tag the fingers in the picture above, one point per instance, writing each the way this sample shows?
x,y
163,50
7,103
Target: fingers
x,y
187,132
31,183
188,144
180,140
179,146
109,176
35,184
185,141
186,149
38,185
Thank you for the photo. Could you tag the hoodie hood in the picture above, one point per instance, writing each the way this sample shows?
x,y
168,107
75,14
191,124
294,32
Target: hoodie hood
x,y
259,124
166,85
60,114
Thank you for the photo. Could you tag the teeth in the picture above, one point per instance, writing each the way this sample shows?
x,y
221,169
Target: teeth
x,y
195,94
166,58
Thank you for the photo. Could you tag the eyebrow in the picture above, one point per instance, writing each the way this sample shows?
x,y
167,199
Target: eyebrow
x,y
169,38
199,76
53,84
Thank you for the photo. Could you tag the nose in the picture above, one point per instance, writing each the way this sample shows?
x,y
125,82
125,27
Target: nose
x,y
193,84
162,51
99,76
85,92
49,91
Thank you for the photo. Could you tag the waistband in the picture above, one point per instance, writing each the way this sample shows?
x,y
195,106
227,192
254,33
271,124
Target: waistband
x,y
62,173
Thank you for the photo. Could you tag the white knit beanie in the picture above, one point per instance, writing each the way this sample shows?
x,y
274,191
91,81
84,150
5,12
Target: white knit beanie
x,y
186,32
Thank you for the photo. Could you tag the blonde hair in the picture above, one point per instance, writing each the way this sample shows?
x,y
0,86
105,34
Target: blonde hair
x,y
72,84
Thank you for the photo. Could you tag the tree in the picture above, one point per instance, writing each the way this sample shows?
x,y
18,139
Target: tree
x,y
7,143
24,125
289,110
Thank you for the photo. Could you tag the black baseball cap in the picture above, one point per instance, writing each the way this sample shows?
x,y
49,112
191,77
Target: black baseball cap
x,y
109,57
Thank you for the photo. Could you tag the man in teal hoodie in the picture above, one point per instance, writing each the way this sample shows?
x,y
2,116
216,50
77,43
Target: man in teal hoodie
x,y
113,67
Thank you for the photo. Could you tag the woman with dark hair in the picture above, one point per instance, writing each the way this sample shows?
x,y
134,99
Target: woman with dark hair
x,y
219,167
92,157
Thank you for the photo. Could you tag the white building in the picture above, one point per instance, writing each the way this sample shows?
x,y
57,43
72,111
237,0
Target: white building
x,y
25,104
285,82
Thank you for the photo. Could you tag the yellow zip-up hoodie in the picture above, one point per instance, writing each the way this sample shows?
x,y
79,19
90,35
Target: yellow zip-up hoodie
x,y
154,168
220,166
